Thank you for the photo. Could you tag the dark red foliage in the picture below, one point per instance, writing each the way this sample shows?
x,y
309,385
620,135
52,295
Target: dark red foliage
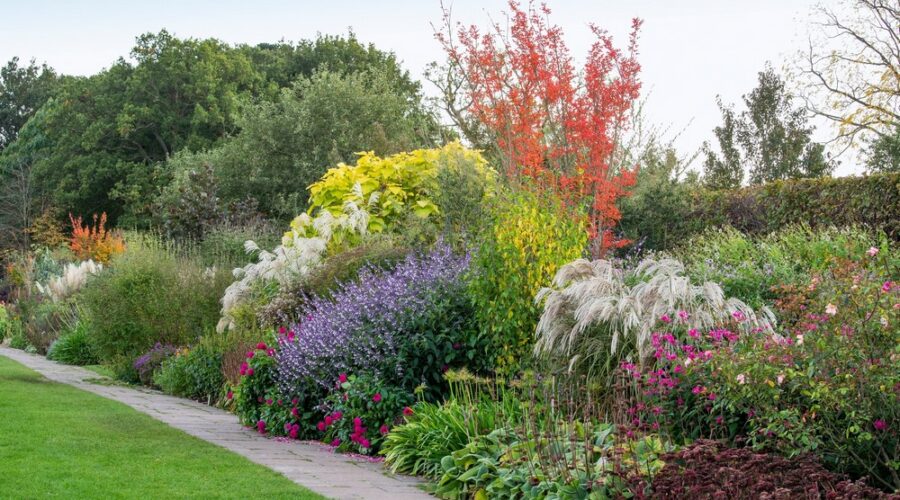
x,y
710,469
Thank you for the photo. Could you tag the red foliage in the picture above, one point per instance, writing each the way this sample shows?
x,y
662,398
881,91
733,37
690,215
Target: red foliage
x,y
709,469
549,122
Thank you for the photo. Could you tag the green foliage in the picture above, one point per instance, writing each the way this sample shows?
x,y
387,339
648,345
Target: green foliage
x,y
5,322
23,90
434,431
287,143
883,153
829,386
150,295
528,240
651,215
73,347
871,201
751,268
773,137
194,372
365,409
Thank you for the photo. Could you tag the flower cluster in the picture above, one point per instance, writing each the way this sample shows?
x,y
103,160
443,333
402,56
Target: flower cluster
x,y
357,328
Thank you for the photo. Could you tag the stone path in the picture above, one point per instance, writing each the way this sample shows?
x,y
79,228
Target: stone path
x,y
309,465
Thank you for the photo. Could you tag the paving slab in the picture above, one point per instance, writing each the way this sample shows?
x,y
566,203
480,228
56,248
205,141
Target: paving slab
x,y
309,465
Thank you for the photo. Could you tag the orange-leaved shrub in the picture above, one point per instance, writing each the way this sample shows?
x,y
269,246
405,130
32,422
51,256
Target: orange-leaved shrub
x,y
96,243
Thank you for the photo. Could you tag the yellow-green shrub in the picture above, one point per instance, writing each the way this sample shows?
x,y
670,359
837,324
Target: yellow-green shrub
x,y
392,187
530,238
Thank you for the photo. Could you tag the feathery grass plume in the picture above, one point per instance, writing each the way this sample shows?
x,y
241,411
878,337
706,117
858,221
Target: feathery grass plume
x,y
301,250
73,278
596,313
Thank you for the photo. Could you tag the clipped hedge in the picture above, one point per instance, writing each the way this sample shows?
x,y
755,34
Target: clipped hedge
x,y
872,201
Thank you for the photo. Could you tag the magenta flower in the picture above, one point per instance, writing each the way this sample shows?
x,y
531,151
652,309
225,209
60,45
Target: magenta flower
x,y
261,426
282,330
328,420
665,318
294,412
249,372
261,346
357,422
269,402
383,430
336,443
250,354
739,316
697,389
886,287
377,397
407,411
295,401
683,315
879,425
321,426
365,443
229,395
342,378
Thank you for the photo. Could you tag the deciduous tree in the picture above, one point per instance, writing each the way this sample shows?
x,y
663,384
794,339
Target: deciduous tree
x,y
517,89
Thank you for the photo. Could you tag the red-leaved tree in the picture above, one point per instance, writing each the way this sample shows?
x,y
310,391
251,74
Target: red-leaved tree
x,y
515,89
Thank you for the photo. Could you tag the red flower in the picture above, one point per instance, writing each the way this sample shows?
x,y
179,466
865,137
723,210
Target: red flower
x,y
229,395
377,397
408,411
261,346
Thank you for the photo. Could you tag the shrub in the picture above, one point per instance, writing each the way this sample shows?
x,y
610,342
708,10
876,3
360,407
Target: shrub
x,y
707,469
822,202
94,243
74,347
750,267
404,325
829,385
391,187
194,373
44,321
361,410
528,239
146,364
5,322
259,403
150,296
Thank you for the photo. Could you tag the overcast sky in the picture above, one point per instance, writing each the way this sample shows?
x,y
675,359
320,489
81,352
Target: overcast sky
x,y
691,50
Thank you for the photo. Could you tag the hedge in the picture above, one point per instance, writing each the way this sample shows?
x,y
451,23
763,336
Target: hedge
x,y
872,201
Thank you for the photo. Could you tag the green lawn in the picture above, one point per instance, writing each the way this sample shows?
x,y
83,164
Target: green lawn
x,y
61,442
